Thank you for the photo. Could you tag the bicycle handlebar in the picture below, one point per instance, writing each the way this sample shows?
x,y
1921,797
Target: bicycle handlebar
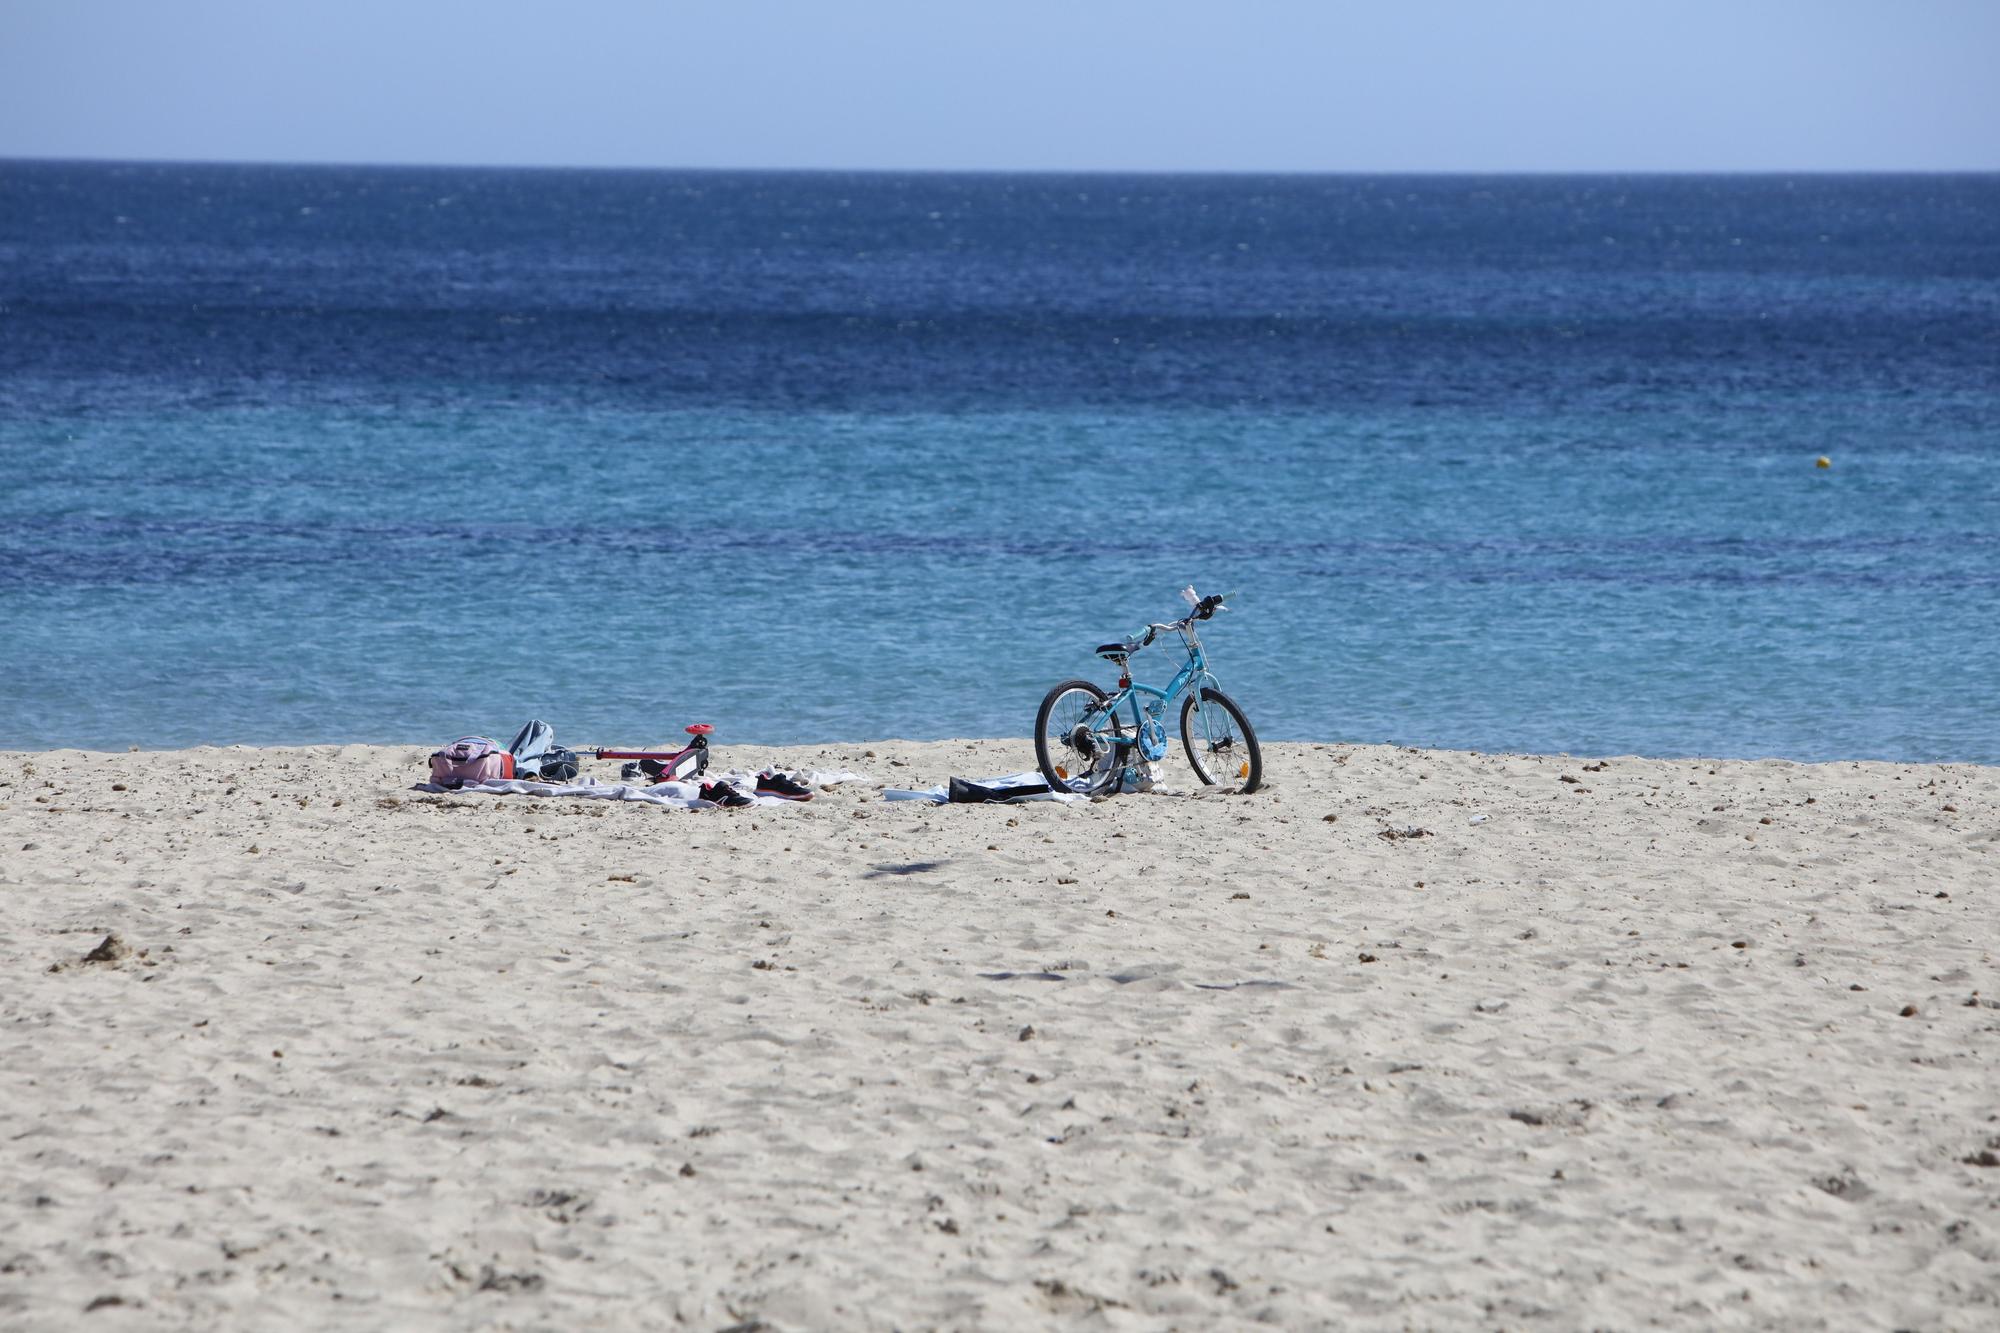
x,y
1203,609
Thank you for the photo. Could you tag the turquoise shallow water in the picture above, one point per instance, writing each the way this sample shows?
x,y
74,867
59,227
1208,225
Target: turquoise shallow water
x,y
298,489
268,575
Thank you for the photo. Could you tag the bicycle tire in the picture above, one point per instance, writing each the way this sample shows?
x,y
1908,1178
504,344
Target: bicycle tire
x,y
1064,767
1247,770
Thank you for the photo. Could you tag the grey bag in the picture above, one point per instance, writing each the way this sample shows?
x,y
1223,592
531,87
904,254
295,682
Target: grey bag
x,y
558,765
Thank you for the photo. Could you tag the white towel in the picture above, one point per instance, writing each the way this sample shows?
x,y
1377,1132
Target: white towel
x,y
684,795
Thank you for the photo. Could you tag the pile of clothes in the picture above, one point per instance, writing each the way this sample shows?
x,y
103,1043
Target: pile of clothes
x,y
1009,790
534,765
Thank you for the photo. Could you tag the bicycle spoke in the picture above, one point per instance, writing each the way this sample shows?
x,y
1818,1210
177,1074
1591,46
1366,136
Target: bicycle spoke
x,y
1219,743
1079,739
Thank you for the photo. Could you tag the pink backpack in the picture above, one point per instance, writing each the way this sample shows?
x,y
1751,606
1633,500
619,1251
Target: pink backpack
x,y
470,759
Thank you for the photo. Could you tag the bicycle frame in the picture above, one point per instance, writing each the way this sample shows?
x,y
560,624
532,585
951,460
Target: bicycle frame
x,y
1133,693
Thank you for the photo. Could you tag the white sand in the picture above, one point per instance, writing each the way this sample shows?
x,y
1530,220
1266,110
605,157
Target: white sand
x,y
1622,1054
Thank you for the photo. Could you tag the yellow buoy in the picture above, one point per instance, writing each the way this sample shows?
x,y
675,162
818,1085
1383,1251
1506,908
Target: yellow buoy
x,y
1823,461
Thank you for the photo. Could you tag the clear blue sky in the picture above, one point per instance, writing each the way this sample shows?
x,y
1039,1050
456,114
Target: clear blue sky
x,y
1231,85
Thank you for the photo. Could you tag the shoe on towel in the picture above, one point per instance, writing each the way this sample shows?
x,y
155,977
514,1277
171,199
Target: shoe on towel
x,y
778,784
722,794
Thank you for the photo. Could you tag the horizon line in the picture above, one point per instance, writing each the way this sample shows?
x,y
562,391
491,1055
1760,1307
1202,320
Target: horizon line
x,y
10,159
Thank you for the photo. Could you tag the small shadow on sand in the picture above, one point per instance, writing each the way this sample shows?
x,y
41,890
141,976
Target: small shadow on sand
x,y
1126,978
913,868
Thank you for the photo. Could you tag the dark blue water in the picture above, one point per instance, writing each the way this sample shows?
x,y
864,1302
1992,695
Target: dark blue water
x,y
307,454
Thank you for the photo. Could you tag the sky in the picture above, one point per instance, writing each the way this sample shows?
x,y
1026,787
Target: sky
x,y
1132,85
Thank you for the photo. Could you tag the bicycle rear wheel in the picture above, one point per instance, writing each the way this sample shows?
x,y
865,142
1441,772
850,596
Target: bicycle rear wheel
x,y
1220,743
1077,739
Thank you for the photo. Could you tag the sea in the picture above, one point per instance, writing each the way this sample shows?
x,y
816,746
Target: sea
x,y
1668,465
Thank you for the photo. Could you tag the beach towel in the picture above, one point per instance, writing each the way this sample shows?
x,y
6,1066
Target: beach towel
x,y
682,795
1009,790
961,792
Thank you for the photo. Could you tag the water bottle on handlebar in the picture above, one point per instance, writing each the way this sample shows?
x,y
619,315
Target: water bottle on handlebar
x,y
1204,607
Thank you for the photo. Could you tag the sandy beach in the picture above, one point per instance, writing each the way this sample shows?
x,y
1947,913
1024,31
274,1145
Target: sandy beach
x,y
1406,1040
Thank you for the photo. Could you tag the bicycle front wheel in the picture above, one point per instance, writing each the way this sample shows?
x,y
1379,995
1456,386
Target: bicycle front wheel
x,y
1220,744
1078,740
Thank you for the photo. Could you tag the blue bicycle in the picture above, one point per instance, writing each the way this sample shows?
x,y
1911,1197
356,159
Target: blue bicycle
x,y
1085,743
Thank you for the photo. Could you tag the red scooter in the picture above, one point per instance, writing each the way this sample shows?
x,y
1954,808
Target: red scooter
x,y
685,765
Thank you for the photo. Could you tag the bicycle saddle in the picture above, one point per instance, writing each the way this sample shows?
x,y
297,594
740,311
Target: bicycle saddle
x,y
1121,650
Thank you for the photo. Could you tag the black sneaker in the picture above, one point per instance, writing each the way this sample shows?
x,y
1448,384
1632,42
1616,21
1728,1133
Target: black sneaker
x,y
778,784
724,795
